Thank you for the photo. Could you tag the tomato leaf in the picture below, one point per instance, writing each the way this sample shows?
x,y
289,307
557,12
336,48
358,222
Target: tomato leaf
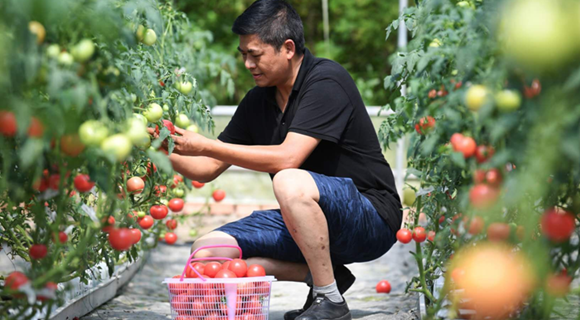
x,y
458,159
160,160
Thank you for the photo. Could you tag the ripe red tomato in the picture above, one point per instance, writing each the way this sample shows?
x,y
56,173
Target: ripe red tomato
x,y
8,126
253,305
256,270
226,264
158,211
160,190
558,285
534,90
170,238
51,286
197,185
218,195
476,225
136,233
432,94
171,224
146,222
37,251
176,204
484,153
15,280
121,239
239,267
404,235
36,128
71,145
168,124
83,183
177,179
135,185
558,225
419,234
62,237
212,268
466,146
108,224
383,286
483,196
431,235
493,177
479,176
54,181
425,125
198,266
498,231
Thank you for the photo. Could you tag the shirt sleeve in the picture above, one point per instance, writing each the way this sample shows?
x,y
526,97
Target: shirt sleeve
x,y
237,131
323,111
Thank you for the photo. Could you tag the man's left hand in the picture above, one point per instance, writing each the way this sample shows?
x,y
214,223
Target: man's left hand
x,y
188,143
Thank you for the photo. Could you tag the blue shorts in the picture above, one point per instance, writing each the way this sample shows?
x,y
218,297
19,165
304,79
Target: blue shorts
x,y
357,233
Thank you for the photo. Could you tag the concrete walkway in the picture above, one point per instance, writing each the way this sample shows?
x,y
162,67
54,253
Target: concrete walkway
x,y
145,297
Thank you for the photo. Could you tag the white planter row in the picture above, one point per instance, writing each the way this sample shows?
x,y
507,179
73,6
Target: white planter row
x,y
84,298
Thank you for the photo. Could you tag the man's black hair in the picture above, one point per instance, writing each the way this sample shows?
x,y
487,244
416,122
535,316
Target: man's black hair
x,y
273,21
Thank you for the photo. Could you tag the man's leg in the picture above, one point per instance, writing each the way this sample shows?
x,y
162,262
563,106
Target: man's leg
x,y
282,270
298,196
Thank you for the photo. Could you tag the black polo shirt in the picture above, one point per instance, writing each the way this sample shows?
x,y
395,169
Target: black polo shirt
x,y
326,104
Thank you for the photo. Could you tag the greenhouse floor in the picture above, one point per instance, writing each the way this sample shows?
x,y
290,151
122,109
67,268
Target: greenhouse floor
x,y
145,297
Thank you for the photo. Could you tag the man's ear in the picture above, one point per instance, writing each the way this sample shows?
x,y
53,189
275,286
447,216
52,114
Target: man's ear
x,y
289,49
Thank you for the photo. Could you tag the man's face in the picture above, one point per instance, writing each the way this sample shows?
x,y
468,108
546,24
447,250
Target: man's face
x,y
268,67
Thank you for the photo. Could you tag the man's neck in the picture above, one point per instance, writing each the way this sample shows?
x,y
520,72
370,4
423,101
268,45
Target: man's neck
x,y
284,90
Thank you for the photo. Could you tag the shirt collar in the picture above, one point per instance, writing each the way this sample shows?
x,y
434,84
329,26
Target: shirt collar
x,y
307,63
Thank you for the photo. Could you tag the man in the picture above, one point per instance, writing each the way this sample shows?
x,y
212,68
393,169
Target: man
x,y
304,123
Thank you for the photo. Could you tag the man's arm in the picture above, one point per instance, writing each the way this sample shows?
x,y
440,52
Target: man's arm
x,y
201,169
290,154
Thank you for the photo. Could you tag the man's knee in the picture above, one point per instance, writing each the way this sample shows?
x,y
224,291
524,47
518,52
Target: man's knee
x,y
215,238
294,185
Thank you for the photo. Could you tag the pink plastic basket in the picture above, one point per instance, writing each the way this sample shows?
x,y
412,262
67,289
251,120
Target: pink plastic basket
x,y
218,299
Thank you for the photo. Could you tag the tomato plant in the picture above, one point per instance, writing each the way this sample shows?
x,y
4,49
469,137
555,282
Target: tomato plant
x,y
500,155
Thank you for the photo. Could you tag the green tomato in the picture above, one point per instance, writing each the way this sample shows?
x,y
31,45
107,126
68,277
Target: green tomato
x,y
465,4
178,192
53,51
435,43
476,97
65,58
193,128
409,197
141,171
541,35
150,37
192,233
93,132
184,87
118,145
182,121
84,50
166,108
133,97
154,112
137,132
140,32
163,201
508,100
141,214
140,117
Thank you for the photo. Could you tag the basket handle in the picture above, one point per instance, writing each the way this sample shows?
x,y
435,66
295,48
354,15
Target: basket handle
x,y
188,264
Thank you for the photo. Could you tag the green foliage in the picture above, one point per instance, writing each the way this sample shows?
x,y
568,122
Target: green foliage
x,y
52,79
357,38
454,48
